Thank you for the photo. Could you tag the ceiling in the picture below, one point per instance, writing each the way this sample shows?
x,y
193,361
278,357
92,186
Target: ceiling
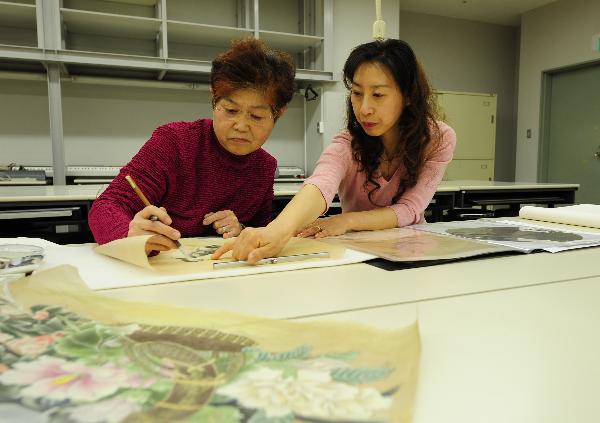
x,y
502,12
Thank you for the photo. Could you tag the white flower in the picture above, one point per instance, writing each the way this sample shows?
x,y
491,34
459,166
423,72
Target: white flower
x,y
110,410
312,394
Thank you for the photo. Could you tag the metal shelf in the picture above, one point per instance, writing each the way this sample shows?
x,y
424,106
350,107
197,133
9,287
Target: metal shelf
x,y
109,24
212,35
17,15
137,2
296,43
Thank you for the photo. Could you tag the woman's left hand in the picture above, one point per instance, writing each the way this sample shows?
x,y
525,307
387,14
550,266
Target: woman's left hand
x,y
327,226
225,223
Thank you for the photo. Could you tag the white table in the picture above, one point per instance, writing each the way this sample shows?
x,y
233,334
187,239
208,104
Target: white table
x,y
345,288
525,355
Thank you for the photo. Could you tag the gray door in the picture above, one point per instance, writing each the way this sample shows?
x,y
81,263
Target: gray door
x,y
573,149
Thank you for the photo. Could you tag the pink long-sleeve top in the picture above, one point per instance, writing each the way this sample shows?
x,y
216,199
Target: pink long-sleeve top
x,y
337,171
183,168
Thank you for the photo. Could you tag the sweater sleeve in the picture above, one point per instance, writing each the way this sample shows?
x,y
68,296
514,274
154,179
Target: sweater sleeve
x,y
112,211
411,206
332,167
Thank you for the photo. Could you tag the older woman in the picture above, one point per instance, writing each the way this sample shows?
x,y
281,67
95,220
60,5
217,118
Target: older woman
x,y
210,175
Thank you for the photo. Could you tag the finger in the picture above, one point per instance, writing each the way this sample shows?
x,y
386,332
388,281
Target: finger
x,y
228,246
261,253
222,228
155,247
307,232
160,212
213,217
159,228
166,243
234,231
245,244
322,234
229,233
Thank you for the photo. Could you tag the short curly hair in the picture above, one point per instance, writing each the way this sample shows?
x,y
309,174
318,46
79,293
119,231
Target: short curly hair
x,y
249,63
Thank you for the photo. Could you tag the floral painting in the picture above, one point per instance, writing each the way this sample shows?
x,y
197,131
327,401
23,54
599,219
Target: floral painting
x,y
73,369
59,366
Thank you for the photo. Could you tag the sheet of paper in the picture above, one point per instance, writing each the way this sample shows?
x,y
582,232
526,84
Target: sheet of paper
x,y
132,250
517,235
73,355
408,244
99,271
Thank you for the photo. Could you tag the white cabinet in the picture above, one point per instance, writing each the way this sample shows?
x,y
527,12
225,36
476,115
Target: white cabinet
x,y
477,170
473,117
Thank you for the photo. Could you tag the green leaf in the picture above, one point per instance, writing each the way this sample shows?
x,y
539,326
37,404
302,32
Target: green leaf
x,y
219,414
220,399
141,396
52,325
92,343
38,307
9,393
357,376
161,388
295,354
344,356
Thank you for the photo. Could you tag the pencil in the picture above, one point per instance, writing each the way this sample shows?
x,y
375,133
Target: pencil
x,y
153,218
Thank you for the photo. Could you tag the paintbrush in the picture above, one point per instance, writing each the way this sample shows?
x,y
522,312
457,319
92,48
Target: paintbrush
x,y
153,218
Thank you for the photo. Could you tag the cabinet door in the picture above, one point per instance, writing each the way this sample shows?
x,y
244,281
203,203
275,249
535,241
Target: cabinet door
x,y
478,170
473,117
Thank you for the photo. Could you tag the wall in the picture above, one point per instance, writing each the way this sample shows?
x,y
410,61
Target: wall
x,y
461,55
353,25
553,36
105,125
24,123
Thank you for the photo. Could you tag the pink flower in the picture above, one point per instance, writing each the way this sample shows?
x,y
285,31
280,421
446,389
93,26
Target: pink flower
x,y
57,379
41,315
30,346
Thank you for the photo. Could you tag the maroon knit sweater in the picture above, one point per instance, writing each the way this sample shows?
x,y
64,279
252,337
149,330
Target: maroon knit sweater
x,y
183,168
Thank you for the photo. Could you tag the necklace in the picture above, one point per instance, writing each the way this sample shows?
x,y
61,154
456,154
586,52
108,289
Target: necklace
x,y
387,167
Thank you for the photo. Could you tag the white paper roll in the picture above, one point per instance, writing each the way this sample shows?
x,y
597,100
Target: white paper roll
x,y
580,215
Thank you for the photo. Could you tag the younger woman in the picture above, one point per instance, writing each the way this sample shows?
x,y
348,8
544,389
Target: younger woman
x,y
210,176
385,167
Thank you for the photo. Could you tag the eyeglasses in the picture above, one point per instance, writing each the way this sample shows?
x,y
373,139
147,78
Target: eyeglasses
x,y
257,118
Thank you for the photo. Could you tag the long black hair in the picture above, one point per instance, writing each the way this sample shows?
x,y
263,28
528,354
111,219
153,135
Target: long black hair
x,y
417,126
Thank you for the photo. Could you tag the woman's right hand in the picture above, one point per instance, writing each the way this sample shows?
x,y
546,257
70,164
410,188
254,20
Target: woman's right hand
x,y
164,235
254,244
